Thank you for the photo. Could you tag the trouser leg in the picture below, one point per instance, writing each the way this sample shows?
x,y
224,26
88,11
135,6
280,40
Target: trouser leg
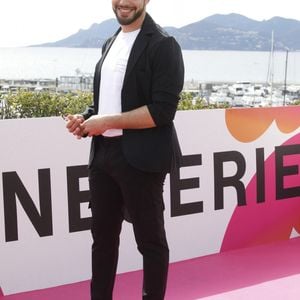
x,y
143,196
106,226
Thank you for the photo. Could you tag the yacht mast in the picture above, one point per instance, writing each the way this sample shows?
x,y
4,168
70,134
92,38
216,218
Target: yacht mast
x,y
285,76
270,75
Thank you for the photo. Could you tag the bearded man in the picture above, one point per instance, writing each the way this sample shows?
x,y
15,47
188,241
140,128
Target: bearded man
x,y
137,84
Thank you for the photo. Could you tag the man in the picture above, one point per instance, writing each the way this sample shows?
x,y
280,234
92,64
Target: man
x,y
137,84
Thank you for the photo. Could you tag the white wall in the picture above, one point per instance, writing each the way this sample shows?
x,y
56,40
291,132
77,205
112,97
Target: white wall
x,y
30,261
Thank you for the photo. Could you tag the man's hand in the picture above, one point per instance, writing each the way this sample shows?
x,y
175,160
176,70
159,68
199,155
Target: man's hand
x,y
74,125
96,125
138,118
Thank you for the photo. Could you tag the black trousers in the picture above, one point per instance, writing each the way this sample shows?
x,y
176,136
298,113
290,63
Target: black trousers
x,y
115,185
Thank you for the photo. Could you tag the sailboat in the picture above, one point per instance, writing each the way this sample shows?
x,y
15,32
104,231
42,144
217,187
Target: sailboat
x,y
274,99
270,73
285,76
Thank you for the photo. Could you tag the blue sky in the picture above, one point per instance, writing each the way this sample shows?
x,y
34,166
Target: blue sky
x,y
25,22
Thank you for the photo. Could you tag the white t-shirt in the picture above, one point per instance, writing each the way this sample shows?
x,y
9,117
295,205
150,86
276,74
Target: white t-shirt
x,y
112,76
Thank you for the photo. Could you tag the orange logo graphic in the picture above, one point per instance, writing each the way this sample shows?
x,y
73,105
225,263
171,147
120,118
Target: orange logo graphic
x,y
247,125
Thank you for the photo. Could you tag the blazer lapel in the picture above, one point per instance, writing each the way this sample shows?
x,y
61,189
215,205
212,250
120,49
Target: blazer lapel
x,y
139,45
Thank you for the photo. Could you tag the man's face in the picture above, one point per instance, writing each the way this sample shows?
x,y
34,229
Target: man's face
x,y
128,11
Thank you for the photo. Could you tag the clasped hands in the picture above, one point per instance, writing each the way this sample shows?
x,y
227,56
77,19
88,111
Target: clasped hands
x,y
79,127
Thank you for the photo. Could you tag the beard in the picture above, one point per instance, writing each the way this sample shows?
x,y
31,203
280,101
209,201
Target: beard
x,y
133,16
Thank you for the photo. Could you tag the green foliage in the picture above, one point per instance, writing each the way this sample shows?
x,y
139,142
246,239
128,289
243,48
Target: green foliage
x,y
190,102
26,104
296,102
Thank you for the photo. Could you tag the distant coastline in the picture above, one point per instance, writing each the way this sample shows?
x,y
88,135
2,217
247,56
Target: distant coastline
x,y
217,32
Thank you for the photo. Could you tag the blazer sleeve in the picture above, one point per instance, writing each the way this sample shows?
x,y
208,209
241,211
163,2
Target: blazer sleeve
x,y
167,81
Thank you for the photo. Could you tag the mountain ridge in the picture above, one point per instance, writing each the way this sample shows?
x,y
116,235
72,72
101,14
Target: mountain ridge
x,y
216,32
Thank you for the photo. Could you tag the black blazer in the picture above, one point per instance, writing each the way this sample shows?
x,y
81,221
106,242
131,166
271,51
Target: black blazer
x,y
154,77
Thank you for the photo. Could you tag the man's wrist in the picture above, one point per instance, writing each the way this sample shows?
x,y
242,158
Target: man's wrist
x,y
112,121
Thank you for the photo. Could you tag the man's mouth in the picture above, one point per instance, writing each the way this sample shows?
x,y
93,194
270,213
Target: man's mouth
x,y
125,9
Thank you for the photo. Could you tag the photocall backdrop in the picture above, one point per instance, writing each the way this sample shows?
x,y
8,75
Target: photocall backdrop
x,y
238,185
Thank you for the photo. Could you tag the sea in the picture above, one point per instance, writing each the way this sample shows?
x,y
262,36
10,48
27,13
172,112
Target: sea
x,y
200,66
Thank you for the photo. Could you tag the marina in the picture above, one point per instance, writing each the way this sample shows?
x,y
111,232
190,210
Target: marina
x,y
246,94
233,78
62,84
232,94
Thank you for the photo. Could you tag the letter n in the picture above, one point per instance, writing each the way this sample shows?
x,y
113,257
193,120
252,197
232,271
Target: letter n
x,y
13,188
76,197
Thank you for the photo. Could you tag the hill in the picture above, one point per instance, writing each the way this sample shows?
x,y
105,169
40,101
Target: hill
x,y
217,32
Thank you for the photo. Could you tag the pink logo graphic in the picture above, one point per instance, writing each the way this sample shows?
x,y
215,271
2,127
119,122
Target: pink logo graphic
x,y
273,219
